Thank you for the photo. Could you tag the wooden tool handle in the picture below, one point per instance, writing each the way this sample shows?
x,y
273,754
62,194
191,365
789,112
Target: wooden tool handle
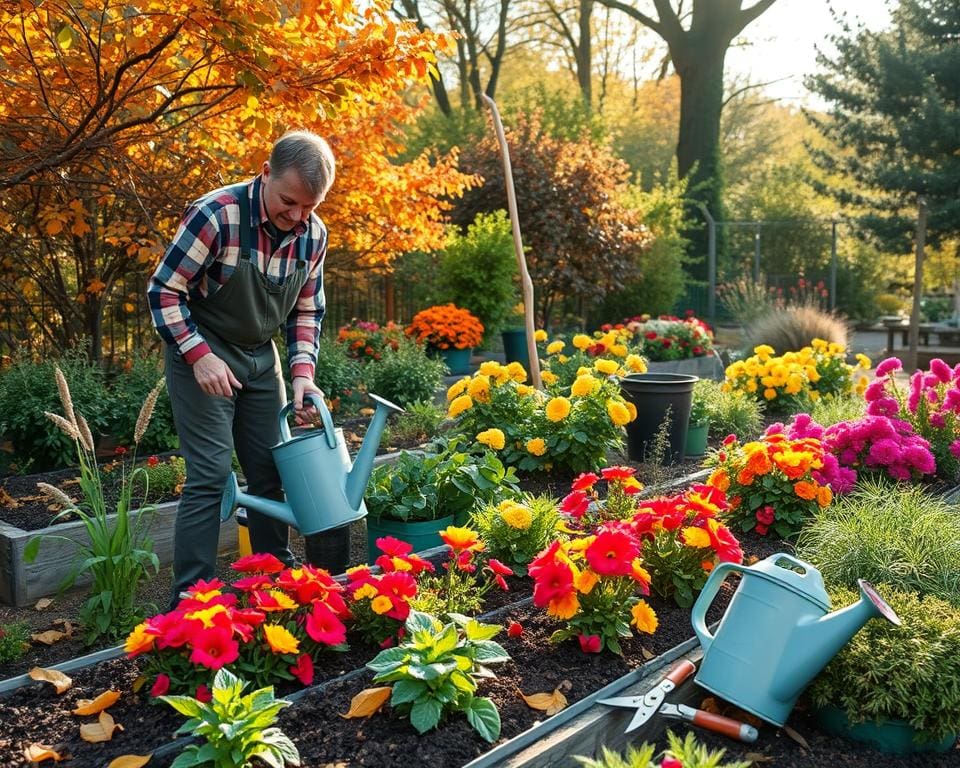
x,y
681,671
728,727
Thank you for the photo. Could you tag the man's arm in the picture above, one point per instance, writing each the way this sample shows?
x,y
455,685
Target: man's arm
x,y
303,327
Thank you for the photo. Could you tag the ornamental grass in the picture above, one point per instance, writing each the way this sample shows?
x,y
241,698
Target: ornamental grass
x,y
446,326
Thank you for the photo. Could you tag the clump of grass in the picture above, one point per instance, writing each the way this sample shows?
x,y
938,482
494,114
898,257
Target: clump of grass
x,y
14,641
793,328
832,410
657,454
418,423
729,412
895,534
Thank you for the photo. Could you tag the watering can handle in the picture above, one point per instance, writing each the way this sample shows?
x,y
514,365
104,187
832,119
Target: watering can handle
x,y
325,417
710,589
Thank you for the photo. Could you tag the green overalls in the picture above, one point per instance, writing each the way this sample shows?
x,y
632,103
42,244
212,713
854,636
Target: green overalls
x,y
238,322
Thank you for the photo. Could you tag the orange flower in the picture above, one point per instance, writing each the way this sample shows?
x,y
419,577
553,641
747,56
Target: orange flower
x,y
459,539
745,476
564,607
824,495
720,480
644,618
586,581
805,490
446,326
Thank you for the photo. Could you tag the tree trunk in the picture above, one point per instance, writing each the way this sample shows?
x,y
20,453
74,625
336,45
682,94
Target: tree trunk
x,y
584,54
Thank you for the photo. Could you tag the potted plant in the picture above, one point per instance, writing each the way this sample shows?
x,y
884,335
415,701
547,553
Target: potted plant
x,y
449,332
895,687
698,425
420,494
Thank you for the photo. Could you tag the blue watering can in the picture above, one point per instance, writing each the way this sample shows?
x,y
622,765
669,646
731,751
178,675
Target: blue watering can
x,y
777,633
323,489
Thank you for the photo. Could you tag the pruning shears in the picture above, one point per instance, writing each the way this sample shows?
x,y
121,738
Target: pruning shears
x,y
652,702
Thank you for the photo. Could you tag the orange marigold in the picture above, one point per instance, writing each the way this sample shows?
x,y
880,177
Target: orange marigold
x,y
446,326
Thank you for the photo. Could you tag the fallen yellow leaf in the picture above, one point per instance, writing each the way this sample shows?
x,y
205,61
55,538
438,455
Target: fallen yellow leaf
x,y
60,681
43,603
551,703
97,705
796,736
102,730
130,761
37,753
6,500
368,701
49,637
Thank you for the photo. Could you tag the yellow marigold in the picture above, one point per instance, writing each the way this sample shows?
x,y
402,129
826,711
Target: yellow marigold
x,y
606,367
631,409
279,639
581,341
558,409
524,389
644,618
138,640
764,352
620,350
539,335
636,364
814,395
586,581
516,371
696,537
862,384
365,591
381,604
537,446
489,368
584,385
516,515
584,370
555,346
479,388
565,607
720,480
863,361
492,438
819,344
457,388
549,377
769,393
459,405
618,412
751,386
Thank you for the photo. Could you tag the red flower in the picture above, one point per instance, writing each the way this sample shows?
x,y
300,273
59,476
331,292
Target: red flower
x,y
589,643
251,583
666,343
514,629
203,694
323,626
552,581
584,481
394,547
119,450
670,762
214,648
766,516
730,439
260,562
499,568
698,350
160,686
651,335
761,529
612,552
303,669
617,473
575,504
152,461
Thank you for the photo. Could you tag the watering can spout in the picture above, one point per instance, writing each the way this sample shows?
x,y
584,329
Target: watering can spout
x,y
233,497
817,640
358,476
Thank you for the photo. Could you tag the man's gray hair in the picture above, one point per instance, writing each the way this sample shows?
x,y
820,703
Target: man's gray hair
x,y
309,155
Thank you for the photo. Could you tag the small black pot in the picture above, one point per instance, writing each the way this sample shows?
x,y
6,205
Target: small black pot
x,y
653,394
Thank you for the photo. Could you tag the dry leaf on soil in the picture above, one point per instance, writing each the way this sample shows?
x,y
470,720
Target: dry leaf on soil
x,y
368,701
60,681
67,624
796,737
551,703
647,654
43,603
6,500
102,730
758,757
37,753
97,705
49,637
130,761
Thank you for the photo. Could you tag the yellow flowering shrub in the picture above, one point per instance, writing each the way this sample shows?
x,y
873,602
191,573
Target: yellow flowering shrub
x,y
516,529
605,353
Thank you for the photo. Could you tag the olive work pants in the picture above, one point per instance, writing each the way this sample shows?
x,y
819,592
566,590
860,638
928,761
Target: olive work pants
x,y
210,429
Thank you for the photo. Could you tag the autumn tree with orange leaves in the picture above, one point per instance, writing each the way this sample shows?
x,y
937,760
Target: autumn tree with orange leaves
x,y
113,115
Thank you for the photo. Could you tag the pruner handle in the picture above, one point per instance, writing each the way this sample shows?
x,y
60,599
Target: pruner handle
x,y
725,725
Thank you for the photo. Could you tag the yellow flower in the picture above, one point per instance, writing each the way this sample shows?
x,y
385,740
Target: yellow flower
x,y
618,349
279,639
381,604
584,385
558,409
631,409
517,516
586,581
607,367
819,344
459,405
770,393
618,412
138,640
644,619
539,335
536,446
764,352
636,364
206,615
479,388
365,591
581,341
457,388
516,371
492,438
524,389
555,346
549,377
696,537
751,386
863,361
584,370
489,368
565,607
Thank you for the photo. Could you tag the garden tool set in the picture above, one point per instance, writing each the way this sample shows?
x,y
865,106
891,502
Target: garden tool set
x,y
652,702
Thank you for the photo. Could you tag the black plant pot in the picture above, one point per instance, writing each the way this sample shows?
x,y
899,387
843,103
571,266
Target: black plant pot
x,y
653,394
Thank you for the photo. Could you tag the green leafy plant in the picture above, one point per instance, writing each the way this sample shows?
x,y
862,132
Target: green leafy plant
x,y
131,384
14,640
238,729
699,403
450,480
118,552
338,375
419,422
904,673
833,410
688,751
163,477
515,530
894,533
404,375
729,412
435,671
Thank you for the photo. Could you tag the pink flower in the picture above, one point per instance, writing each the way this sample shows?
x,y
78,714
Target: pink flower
x,y
575,504
766,516
589,643
324,626
214,648
394,547
203,694
303,669
884,406
585,481
889,365
875,390
161,685
670,762
955,449
260,562
941,370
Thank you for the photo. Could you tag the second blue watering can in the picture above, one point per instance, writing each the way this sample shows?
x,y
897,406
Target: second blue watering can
x,y
777,633
323,489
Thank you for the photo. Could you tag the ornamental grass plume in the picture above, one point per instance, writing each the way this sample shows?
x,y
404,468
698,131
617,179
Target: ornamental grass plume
x,y
146,412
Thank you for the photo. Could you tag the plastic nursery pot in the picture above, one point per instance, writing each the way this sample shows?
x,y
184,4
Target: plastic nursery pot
x,y
654,394
421,534
515,346
890,736
696,443
457,360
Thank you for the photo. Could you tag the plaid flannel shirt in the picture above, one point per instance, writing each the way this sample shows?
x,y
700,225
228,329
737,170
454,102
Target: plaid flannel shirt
x,y
205,252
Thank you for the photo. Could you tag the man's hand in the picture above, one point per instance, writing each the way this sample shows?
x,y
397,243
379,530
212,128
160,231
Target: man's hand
x,y
214,376
301,386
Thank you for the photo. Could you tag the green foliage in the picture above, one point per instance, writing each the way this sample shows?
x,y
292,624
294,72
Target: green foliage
x,y
130,386
237,729
419,422
905,673
404,375
452,480
793,328
477,271
337,374
894,533
28,388
833,410
688,751
516,530
435,671
161,478
729,412
14,641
